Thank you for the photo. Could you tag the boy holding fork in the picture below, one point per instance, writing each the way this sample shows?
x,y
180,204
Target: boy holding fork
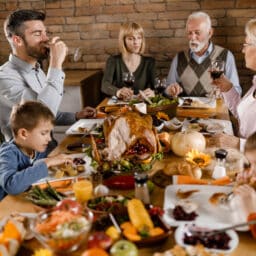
x,y
23,160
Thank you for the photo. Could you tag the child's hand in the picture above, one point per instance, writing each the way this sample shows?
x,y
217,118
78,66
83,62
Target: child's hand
x,y
248,176
58,160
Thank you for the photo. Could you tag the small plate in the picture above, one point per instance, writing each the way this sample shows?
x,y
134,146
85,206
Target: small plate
x,y
208,126
233,243
197,102
84,125
173,124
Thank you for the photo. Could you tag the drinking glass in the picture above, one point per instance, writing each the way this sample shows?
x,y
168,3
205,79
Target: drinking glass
x,y
78,53
216,70
83,190
160,85
128,79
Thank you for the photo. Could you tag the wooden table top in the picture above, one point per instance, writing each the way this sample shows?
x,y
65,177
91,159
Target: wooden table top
x,y
247,245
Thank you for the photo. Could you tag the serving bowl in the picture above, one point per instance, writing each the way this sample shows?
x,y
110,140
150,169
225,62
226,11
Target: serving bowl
x,y
103,205
62,230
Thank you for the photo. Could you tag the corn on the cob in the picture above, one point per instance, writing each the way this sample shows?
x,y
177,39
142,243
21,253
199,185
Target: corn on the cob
x,y
138,215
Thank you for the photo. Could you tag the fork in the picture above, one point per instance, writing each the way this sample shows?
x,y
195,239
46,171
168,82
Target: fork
x,y
192,231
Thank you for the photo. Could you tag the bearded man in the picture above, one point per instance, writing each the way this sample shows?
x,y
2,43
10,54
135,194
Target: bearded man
x,y
21,77
189,72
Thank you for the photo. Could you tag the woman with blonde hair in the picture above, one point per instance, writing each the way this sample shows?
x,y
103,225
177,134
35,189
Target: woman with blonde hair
x,y
130,61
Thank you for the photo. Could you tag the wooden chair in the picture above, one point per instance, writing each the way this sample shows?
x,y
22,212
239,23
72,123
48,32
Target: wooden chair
x,y
91,94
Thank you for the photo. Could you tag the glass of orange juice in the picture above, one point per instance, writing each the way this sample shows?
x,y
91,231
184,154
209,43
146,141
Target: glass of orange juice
x,y
83,190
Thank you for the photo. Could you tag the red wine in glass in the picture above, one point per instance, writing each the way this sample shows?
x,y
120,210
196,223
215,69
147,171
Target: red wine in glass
x,y
217,68
216,74
160,85
128,79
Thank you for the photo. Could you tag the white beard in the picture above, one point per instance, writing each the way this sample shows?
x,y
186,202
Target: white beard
x,y
196,46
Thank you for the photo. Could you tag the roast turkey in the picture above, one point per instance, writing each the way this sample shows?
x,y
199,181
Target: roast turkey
x,y
129,135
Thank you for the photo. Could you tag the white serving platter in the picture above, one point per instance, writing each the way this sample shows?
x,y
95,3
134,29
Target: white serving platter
x,y
208,213
85,124
212,126
198,102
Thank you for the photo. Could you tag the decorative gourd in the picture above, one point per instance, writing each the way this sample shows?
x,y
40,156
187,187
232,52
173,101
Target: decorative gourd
x,y
183,142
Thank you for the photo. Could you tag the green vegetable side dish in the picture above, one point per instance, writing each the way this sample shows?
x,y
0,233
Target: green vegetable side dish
x,y
160,100
44,197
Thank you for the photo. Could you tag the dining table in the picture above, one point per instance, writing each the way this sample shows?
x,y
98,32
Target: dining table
x,y
18,203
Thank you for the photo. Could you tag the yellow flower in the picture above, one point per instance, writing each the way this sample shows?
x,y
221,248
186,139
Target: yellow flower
x,y
198,158
42,252
162,115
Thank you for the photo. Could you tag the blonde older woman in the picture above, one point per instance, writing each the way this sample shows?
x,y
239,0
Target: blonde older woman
x,y
244,109
130,60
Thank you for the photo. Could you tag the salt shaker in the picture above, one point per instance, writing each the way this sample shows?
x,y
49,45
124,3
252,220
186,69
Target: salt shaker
x,y
141,187
219,170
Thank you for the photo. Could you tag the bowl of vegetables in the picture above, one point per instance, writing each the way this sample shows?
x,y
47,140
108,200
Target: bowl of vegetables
x,y
64,227
103,205
161,103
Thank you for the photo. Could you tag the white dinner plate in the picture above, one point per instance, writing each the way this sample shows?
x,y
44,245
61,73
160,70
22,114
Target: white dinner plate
x,y
208,213
87,172
85,124
198,102
233,243
212,126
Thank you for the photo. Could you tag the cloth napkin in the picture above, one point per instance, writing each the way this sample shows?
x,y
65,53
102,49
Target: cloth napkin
x,y
183,179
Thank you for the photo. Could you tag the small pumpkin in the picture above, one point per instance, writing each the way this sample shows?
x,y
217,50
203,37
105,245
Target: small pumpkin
x,y
183,142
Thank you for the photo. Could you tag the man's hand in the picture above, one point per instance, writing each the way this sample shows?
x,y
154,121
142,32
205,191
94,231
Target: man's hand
x,y
125,93
174,90
222,83
87,112
58,52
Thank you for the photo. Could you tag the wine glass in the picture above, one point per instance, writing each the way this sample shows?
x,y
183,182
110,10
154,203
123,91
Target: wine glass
x,y
78,53
216,70
128,79
160,85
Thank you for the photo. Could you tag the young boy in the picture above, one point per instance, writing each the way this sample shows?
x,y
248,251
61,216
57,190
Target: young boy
x,y
24,160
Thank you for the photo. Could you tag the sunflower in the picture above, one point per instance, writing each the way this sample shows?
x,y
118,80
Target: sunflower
x,y
42,252
198,158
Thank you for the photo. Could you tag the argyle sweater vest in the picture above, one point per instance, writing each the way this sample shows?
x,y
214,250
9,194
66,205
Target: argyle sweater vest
x,y
195,78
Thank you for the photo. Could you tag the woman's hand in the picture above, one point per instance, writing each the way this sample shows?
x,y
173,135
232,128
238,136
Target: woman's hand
x,y
125,94
149,93
248,176
174,90
222,83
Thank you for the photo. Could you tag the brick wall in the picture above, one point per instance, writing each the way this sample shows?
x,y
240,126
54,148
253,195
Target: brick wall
x,y
93,25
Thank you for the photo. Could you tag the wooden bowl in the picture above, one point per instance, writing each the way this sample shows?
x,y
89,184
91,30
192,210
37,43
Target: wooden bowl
x,y
169,109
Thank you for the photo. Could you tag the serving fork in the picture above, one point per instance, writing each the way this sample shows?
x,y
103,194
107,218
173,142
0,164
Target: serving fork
x,y
195,231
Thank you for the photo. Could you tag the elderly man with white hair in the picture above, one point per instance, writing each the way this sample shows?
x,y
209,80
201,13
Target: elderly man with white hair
x,y
189,72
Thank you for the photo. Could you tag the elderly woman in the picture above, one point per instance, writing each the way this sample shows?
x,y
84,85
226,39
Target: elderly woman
x,y
244,109
130,61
